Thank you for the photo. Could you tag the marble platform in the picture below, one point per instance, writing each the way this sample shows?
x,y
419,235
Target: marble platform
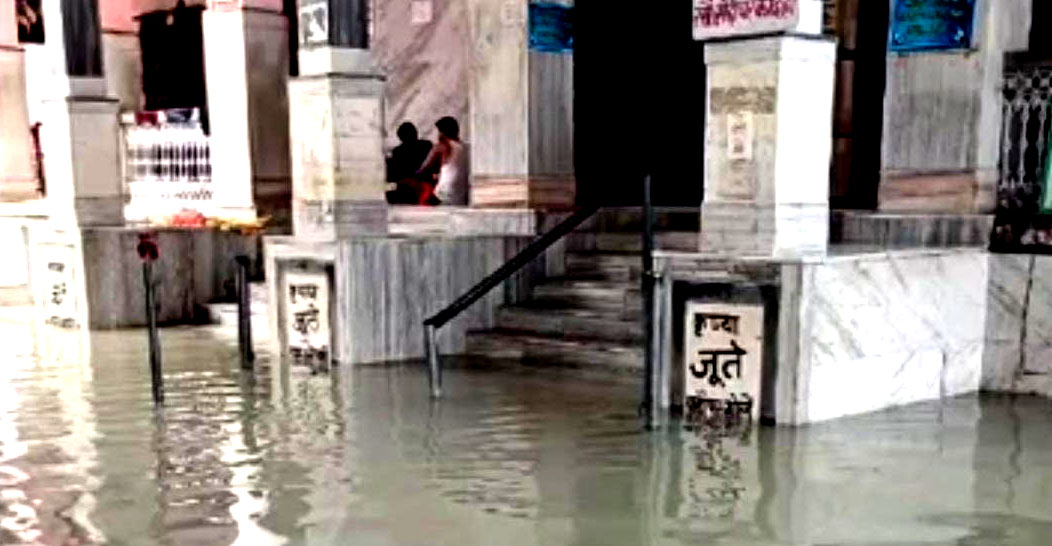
x,y
103,285
386,286
859,330
413,220
196,267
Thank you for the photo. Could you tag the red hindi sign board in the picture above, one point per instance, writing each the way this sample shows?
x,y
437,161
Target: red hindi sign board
x,y
726,18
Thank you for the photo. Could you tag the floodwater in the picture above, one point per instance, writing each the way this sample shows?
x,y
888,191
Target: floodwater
x,y
508,457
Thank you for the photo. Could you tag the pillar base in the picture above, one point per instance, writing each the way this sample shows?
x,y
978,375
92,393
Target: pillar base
x,y
768,146
747,229
533,192
329,220
963,192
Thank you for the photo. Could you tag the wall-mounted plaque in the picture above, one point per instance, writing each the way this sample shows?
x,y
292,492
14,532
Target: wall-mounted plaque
x,y
926,25
724,358
551,27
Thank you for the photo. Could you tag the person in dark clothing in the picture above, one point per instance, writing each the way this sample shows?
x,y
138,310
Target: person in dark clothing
x,y
402,166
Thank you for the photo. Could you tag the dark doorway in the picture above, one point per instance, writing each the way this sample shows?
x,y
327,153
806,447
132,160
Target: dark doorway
x,y
173,73
639,103
858,125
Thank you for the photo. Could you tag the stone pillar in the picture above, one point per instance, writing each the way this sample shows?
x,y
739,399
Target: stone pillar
x,y
121,54
246,70
521,105
79,133
18,179
336,116
768,144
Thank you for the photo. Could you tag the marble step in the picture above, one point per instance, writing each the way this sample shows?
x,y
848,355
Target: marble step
x,y
225,313
904,230
571,323
579,241
630,219
623,267
606,295
591,355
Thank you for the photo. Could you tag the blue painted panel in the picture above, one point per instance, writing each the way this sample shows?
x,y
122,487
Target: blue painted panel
x,y
928,25
551,27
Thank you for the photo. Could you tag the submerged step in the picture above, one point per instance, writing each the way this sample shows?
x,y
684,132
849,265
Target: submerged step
x,y
546,351
620,297
570,323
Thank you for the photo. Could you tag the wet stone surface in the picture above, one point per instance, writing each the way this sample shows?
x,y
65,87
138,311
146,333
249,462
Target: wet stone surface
x,y
510,456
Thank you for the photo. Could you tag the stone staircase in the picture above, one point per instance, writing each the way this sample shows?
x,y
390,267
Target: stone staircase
x,y
590,318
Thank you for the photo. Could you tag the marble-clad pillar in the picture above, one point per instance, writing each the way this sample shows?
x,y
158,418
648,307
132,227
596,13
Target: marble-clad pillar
x,y
17,177
337,118
121,54
768,138
522,104
79,133
246,74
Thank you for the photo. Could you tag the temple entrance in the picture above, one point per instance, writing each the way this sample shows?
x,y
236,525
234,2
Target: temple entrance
x,y
634,117
858,115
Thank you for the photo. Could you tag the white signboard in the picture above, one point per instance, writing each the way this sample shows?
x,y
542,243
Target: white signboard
x,y
308,325
725,18
59,288
724,358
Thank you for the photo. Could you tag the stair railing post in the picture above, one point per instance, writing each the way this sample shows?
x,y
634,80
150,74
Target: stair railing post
x,y
434,366
149,252
244,314
652,379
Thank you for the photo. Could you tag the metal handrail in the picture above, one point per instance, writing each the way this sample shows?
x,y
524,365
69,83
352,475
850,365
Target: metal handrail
x,y
476,292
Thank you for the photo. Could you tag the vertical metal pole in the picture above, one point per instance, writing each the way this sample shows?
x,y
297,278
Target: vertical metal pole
x,y
651,381
156,379
434,367
244,314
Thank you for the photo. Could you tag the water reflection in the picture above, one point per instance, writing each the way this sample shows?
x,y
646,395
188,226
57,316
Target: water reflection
x,y
507,457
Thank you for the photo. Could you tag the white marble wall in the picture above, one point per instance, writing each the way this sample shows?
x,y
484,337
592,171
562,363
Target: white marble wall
x,y
426,64
869,331
1019,329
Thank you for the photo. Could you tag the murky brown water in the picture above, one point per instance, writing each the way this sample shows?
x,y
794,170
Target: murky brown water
x,y
508,457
